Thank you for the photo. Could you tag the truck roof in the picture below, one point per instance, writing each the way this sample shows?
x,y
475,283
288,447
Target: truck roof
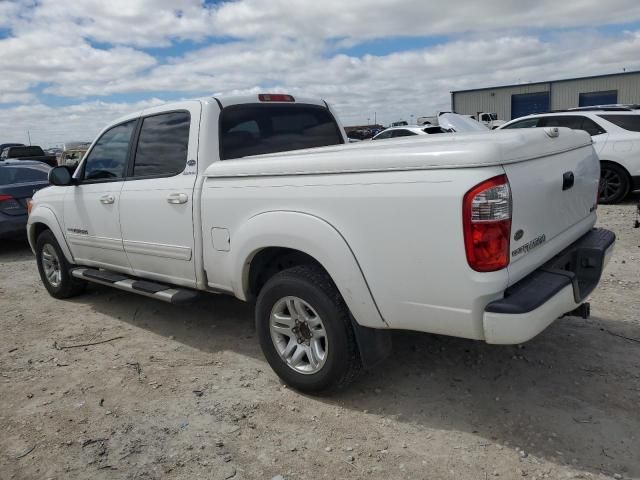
x,y
225,101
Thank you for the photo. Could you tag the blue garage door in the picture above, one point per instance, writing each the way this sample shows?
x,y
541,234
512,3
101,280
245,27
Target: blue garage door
x,y
528,103
598,98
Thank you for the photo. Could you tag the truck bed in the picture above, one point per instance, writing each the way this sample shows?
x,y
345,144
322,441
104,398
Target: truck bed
x,y
429,152
398,206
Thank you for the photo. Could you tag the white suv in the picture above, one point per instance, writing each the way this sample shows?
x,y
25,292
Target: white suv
x,y
616,137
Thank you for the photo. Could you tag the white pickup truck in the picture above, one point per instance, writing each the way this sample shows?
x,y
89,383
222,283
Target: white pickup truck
x,y
488,236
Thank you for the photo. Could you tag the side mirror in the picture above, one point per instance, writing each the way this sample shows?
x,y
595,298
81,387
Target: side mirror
x,y
60,176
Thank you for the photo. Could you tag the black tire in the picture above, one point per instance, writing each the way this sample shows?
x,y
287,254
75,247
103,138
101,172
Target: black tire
x,y
311,284
68,286
614,183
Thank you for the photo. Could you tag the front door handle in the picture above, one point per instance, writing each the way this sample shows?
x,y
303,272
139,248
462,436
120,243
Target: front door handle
x,y
176,198
107,199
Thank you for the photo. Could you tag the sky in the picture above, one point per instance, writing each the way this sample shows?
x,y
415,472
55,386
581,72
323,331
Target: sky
x,y
70,67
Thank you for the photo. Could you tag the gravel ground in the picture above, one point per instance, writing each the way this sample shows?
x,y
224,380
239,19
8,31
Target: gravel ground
x,y
183,392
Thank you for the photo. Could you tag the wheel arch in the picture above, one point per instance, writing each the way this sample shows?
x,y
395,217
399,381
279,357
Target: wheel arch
x,y
293,238
618,164
41,219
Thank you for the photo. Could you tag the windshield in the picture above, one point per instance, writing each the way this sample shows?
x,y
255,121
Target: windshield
x,y
257,129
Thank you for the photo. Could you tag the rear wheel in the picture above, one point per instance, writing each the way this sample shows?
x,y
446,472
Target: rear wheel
x,y
305,330
54,269
614,183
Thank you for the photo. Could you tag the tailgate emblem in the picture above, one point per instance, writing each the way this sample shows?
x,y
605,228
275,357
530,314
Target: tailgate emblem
x,y
536,242
519,234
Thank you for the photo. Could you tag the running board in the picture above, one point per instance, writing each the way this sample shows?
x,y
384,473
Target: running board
x,y
166,293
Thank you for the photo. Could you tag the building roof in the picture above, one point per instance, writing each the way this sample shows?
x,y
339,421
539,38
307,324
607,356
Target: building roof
x,y
547,81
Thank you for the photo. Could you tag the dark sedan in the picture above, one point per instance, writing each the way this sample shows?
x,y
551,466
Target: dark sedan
x,y
19,180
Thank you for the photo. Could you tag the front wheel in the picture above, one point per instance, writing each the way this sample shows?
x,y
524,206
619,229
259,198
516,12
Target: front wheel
x,y
54,269
614,183
305,330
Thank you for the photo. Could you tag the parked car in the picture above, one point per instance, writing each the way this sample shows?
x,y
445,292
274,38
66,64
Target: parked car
x,y
335,245
407,131
19,180
615,131
7,145
72,156
490,120
34,153
447,123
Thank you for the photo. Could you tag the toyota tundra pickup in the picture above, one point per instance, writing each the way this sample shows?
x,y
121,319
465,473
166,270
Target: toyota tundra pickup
x,y
487,236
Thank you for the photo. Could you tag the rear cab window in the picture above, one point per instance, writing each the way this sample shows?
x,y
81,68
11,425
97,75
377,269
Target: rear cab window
x,y
626,122
257,129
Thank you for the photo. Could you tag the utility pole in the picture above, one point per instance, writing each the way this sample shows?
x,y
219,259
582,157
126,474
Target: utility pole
x,y
29,135
375,118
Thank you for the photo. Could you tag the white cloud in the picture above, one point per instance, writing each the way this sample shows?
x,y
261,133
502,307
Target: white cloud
x,y
290,45
55,125
140,23
55,56
382,18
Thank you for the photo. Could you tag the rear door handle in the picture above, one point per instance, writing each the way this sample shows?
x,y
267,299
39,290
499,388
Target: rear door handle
x,y
176,198
107,199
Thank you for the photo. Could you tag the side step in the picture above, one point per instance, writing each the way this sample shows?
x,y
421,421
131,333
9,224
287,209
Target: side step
x,y
166,293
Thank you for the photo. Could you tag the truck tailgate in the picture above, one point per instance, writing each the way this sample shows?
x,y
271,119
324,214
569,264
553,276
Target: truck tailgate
x,y
554,201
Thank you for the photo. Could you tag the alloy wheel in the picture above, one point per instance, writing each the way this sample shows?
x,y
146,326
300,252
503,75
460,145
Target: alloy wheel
x,y
51,265
299,335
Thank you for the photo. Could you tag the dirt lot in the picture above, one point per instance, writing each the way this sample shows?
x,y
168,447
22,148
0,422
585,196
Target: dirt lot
x,y
185,393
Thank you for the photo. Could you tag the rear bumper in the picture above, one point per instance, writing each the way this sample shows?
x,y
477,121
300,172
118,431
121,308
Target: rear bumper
x,y
635,183
13,226
549,292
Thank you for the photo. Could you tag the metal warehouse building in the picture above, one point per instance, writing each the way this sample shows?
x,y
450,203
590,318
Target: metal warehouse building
x,y
513,101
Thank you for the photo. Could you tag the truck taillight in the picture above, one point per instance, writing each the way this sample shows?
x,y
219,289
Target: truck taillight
x,y
486,221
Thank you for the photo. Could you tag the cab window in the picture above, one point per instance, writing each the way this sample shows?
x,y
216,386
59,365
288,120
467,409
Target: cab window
x,y
108,158
162,145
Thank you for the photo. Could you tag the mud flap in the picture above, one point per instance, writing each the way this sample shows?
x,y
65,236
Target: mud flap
x,y
374,344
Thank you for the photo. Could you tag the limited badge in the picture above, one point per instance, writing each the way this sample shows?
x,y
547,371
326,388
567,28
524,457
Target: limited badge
x,y
536,242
